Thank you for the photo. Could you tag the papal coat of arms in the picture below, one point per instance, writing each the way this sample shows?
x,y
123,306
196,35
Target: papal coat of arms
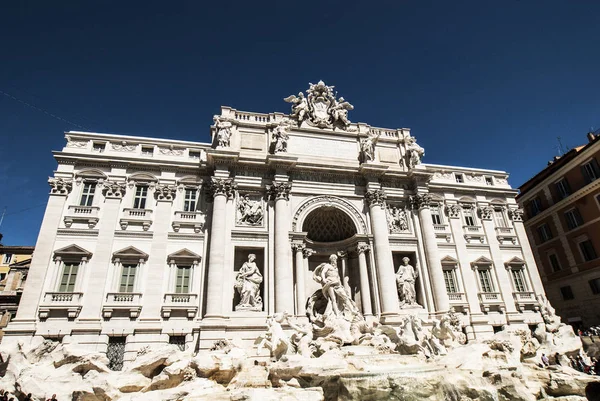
x,y
320,108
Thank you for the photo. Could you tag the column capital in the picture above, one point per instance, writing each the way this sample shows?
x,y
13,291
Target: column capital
x,y
298,246
342,254
165,193
114,189
221,186
420,201
362,248
486,212
60,186
453,211
279,190
307,253
375,197
516,214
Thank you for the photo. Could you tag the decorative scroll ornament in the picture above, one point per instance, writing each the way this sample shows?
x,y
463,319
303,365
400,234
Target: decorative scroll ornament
x,y
165,192
76,144
280,137
375,197
516,214
362,248
171,151
59,186
279,190
221,186
320,108
486,212
122,147
453,211
298,246
420,201
307,252
223,136
114,189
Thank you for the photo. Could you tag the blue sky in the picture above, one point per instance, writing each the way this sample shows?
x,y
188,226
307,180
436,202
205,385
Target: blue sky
x,y
480,83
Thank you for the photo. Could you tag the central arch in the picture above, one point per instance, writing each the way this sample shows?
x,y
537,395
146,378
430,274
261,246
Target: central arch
x,y
328,224
334,209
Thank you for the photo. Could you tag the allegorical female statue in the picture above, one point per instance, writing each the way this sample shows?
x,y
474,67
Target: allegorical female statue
x,y
405,280
247,284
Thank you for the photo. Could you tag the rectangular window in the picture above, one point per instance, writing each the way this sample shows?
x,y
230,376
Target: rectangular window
x,y
139,201
115,352
591,172
489,180
436,214
567,293
128,278
573,218
189,204
535,206
147,150
499,218
544,232
563,188
87,194
485,279
450,280
98,147
182,281
179,341
194,155
519,280
554,262
595,285
7,258
69,276
468,213
459,178
587,250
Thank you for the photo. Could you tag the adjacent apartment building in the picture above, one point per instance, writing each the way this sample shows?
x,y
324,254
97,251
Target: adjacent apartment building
x,y
562,208
14,265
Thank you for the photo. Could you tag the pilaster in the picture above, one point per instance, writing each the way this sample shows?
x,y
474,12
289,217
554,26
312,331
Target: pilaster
x,y
516,216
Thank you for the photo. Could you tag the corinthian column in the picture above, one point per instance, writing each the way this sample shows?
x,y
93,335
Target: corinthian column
x,y
219,189
365,292
284,279
383,254
434,264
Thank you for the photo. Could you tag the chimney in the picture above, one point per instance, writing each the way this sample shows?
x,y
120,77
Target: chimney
x,y
591,136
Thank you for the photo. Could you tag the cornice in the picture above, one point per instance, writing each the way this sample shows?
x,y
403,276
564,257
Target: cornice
x,y
77,232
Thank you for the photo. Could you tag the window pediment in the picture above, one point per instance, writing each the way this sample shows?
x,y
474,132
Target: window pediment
x,y
515,262
184,257
142,177
130,254
449,260
72,253
482,262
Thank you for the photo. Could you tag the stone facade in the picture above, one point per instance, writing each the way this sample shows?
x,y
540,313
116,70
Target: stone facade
x,y
14,266
148,241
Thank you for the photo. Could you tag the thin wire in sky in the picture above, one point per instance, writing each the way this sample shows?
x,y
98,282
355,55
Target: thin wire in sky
x,y
32,106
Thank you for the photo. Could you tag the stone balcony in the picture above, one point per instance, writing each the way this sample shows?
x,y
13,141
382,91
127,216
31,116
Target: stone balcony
x,y
141,217
130,302
506,235
525,299
474,233
194,220
442,231
491,299
458,300
61,301
184,303
82,214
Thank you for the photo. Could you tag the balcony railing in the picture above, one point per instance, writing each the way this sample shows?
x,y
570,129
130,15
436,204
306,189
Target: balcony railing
x,y
504,230
55,298
84,211
525,297
193,220
472,229
490,297
123,297
440,227
186,303
138,213
457,297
